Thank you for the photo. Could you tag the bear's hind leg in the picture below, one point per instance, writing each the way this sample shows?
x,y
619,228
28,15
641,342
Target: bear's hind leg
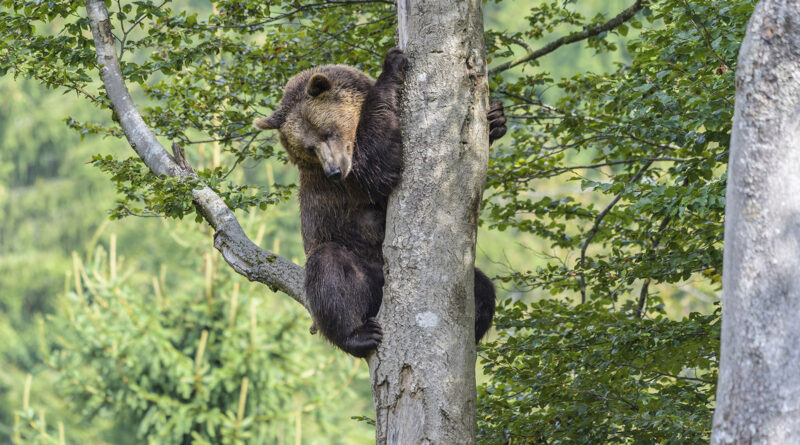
x,y
344,295
484,304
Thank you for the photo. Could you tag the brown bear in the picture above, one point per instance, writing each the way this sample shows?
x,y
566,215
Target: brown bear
x,y
342,130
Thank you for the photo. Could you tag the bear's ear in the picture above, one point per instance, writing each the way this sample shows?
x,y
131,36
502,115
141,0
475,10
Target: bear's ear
x,y
267,123
263,123
318,84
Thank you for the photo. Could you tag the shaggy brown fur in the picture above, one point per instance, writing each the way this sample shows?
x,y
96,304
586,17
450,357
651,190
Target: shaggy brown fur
x,y
342,130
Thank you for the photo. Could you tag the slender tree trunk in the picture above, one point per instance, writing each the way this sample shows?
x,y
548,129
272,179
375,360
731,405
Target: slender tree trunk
x,y
758,399
423,374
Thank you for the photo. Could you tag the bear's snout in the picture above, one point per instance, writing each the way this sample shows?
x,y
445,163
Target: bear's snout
x,y
334,159
334,174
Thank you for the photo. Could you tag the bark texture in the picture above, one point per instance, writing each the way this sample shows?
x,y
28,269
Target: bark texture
x,y
246,258
758,398
423,373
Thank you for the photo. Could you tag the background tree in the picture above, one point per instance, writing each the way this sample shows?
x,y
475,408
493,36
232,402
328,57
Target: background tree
x,y
191,362
757,400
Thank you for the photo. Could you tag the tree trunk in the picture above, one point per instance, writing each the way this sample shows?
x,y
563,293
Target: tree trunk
x,y
423,374
758,399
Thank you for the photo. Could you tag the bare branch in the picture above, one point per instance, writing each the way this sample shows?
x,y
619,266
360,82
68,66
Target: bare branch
x,y
621,18
244,256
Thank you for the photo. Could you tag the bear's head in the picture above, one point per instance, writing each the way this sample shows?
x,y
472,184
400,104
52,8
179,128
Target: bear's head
x,y
318,116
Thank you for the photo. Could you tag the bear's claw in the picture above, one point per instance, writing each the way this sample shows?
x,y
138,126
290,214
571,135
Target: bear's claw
x,y
497,121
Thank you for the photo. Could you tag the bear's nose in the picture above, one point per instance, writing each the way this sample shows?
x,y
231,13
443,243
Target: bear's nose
x,y
334,174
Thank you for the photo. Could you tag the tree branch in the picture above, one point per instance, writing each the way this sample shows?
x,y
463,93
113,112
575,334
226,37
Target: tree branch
x,y
557,171
704,32
621,18
640,304
596,226
244,256
564,113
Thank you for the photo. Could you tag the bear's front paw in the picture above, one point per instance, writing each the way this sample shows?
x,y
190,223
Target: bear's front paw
x,y
395,62
364,339
497,121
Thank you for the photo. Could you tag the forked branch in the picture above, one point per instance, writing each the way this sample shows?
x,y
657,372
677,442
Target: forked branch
x,y
244,256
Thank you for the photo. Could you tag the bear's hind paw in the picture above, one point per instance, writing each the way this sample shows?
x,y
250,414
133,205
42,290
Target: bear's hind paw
x,y
364,339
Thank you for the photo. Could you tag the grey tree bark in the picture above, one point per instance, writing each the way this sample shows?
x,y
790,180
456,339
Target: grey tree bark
x,y
423,374
758,398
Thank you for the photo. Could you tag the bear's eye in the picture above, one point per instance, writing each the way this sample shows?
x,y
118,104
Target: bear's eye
x,y
310,149
327,135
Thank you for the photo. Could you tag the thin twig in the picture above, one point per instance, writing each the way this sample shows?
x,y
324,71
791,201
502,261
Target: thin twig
x,y
564,113
596,226
315,6
703,32
561,170
640,304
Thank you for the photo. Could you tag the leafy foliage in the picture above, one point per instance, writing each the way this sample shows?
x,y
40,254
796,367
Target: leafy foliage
x,y
587,374
172,198
202,80
649,141
51,203
647,147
